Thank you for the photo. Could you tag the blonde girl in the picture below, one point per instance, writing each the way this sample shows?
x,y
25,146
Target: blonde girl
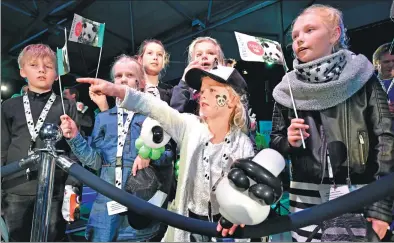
x,y
344,117
208,144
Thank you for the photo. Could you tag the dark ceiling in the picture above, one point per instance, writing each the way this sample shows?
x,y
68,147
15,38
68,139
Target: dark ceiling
x,y
175,23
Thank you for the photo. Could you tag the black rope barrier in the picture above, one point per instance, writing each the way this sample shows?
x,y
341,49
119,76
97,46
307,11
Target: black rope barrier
x,y
19,165
355,200
10,169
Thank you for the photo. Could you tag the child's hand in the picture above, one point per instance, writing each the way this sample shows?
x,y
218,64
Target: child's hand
x,y
139,164
294,132
193,64
252,117
229,231
100,100
100,86
68,126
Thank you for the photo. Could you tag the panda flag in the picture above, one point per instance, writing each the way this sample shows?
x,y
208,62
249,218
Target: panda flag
x,y
87,32
63,64
257,49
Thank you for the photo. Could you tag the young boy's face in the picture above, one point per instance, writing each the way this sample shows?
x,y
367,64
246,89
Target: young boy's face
x,y
386,66
215,99
40,72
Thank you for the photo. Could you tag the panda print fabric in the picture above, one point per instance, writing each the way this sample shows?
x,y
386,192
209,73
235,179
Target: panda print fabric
x,y
272,52
86,31
89,33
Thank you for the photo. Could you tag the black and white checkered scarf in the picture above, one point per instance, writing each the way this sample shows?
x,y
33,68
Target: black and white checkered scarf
x,y
325,82
326,69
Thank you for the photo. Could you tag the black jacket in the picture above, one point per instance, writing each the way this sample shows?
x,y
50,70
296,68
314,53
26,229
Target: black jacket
x,y
357,132
182,99
15,139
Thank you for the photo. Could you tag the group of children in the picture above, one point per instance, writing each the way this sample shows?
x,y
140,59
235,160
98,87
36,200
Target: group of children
x,y
206,116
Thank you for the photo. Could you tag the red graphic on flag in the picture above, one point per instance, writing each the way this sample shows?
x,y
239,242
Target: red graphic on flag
x,y
256,48
78,29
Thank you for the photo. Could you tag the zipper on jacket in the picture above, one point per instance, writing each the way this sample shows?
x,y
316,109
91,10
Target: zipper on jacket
x,y
323,155
347,143
346,131
362,146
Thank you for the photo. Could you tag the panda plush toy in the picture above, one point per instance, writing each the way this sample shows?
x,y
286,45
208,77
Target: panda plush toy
x,y
152,141
251,186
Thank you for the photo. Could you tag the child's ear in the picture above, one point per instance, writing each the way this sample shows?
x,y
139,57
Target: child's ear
x,y
22,73
139,59
232,102
336,35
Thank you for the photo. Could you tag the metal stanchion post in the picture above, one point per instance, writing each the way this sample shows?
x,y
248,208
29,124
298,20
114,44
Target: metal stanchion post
x,y
50,134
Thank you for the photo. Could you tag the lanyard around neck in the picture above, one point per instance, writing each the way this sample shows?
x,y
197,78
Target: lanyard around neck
x,y
390,86
206,155
33,130
123,129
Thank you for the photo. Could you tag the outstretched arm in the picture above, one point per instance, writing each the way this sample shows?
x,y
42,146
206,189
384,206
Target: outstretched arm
x,y
172,121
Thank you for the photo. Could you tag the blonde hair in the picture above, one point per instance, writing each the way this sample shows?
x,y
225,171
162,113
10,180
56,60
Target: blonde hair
x,y
191,47
333,18
239,116
138,69
142,48
377,55
36,51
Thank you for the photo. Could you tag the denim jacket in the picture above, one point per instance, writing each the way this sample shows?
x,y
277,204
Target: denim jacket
x,y
101,154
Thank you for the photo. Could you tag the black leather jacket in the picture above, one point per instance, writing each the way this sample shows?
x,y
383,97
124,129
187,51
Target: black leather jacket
x,y
357,133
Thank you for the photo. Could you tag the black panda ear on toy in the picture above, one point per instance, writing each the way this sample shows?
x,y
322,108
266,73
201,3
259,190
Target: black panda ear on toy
x,y
252,185
153,135
84,25
268,188
94,28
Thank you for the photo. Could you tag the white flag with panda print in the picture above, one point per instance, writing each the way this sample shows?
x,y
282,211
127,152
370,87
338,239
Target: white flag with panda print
x,y
258,49
87,31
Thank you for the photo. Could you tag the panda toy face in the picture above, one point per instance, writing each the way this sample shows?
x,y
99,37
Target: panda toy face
x,y
153,135
272,52
237,203
89,33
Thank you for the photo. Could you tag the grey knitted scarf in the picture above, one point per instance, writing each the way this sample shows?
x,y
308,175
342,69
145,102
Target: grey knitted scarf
x,y
325,82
